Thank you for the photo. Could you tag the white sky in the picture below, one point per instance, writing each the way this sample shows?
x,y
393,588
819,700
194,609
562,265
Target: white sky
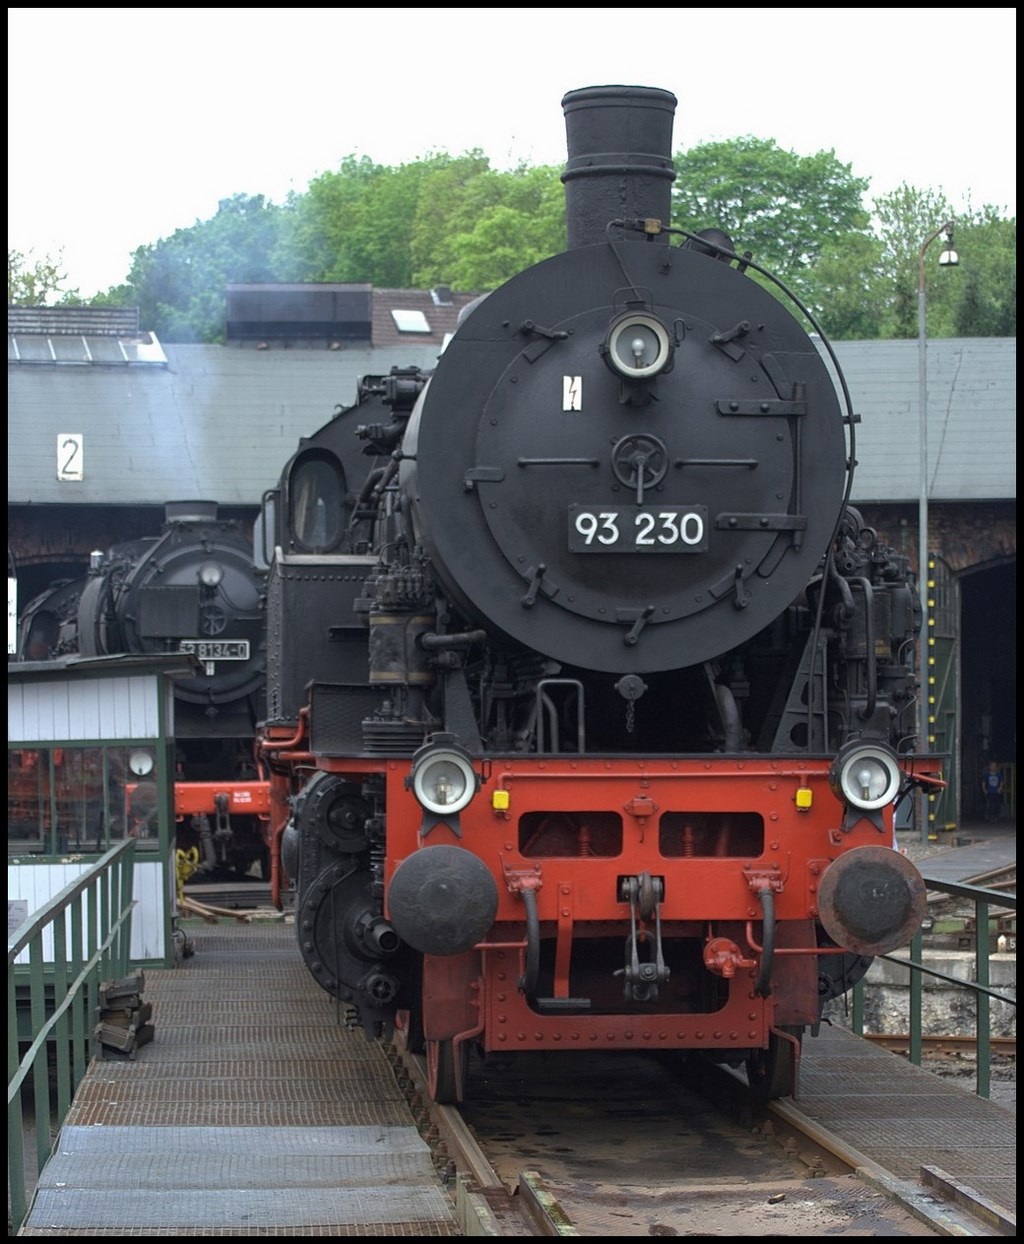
x,y
127,124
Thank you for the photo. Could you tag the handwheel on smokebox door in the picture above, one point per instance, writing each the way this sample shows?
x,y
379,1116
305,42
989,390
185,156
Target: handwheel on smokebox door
x,y
770,1071
447,1064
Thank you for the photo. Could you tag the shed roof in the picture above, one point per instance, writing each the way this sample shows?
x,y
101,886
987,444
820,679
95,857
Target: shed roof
x,y
219,421
972,418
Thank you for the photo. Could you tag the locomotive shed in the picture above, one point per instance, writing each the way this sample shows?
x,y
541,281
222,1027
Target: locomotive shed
x,y
453,652
255,1111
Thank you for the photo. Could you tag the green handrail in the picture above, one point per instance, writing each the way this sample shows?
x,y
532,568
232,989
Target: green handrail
x,y
89,922
980,987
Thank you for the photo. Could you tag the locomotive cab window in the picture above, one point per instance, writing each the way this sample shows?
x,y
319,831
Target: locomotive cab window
x,y
316,503
43,636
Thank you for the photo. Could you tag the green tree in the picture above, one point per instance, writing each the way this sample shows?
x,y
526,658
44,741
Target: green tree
x,y
180,283
905,218
36,282
864,285
977,298
453,220
452,194
354,225
448,220
847,288
782,207
498,224
986,305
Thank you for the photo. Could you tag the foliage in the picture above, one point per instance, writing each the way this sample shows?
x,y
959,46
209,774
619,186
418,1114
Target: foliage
x,y
987,302
848,289
180,283
782,207
353,225
32,282
976,298
503,223
455,221
442,221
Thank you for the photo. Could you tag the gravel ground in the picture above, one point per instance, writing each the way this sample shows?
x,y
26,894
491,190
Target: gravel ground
x,y
913,848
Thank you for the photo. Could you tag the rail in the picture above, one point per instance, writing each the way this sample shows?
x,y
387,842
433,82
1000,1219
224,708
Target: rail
x,y
76,941
981,987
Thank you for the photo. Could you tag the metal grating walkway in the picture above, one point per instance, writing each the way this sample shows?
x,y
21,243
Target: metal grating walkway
x,y
254,1111
904,1117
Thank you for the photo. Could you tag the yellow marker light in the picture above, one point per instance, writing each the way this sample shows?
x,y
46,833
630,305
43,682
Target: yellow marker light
x,y
500,800
804,797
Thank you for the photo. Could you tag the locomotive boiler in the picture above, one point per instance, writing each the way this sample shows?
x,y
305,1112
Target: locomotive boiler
x,y
590,697
191,588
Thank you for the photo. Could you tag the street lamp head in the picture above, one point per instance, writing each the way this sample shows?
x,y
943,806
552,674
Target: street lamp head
x,y
948,258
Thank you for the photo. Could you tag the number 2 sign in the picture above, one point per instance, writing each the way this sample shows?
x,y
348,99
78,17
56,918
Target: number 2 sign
x,y
69,455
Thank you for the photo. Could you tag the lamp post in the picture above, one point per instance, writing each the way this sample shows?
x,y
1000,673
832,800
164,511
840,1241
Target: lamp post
x,y
947,259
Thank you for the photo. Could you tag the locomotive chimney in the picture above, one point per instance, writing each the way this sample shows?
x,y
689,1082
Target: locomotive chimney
x,y
619,141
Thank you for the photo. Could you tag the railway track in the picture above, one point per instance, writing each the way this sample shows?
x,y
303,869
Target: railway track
x,y
630,1145
229,893
614,1144
899,1043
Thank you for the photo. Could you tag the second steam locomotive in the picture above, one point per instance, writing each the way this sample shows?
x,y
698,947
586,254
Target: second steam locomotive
x,y
191,588
590,697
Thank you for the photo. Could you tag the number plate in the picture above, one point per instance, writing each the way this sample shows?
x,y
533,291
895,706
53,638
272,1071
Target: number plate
x,y
638,529
217,649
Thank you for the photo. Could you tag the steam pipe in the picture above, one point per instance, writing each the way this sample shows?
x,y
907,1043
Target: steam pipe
x,y
871,671
764,977
528,984
730,714
463,639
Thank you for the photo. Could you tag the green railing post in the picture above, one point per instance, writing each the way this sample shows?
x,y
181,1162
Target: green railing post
x,y
980,987
983,1022
858,1008
916,998
15,1118
93,911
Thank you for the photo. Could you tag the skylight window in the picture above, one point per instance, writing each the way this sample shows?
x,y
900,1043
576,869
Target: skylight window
x,y
410,321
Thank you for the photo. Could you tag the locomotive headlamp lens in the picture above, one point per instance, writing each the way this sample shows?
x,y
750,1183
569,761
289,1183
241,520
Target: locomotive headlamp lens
x,y
210,574
638,346
443,781
866,776
140,763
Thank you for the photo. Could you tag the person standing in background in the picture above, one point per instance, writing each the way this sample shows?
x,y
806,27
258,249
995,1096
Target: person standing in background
x,y
992,790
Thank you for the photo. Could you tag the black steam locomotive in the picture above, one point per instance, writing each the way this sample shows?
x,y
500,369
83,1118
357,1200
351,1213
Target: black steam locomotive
x,y
590,698
192,588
